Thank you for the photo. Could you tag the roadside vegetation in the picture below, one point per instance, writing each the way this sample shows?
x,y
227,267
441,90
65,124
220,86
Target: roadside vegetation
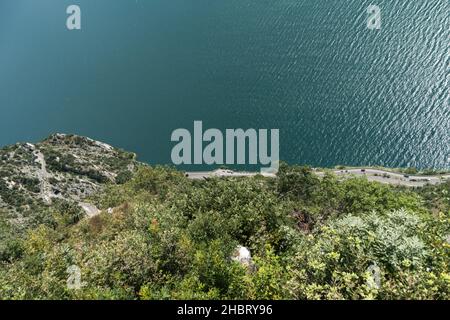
x,y
406,171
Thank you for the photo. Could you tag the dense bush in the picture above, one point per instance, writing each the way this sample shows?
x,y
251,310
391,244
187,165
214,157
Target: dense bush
x,y
166,237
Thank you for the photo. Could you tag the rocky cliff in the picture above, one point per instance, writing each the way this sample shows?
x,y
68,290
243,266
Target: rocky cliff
x,y
61,169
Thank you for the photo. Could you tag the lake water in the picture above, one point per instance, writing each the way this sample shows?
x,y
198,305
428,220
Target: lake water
x,y
339,92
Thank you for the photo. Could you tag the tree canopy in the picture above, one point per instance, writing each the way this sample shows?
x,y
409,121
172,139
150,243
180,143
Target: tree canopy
x,y
163,236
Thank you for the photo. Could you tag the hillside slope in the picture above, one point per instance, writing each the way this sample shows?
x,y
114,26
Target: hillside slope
x,y
158,234
61,169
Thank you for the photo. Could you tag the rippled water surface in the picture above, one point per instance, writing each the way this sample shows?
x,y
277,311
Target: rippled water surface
x,y
339,92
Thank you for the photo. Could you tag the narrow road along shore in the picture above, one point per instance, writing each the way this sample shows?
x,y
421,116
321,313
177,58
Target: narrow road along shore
x,y
377,175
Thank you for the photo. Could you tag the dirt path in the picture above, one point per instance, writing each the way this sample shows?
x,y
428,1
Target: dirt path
x,y
43,176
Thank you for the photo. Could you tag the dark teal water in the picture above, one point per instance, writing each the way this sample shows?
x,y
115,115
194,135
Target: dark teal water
x,y
338,92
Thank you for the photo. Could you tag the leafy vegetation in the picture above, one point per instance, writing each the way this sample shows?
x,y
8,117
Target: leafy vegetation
x,y
163,236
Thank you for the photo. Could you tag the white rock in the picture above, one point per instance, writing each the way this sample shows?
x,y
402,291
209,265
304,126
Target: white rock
x,y
10,184
60,135
242,255
30,146
104,145
90,209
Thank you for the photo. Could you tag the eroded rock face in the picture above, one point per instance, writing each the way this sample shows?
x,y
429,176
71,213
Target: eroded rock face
x,y
62,167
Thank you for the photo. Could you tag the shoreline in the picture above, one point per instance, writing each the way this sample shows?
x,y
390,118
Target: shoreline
x,y
377,175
